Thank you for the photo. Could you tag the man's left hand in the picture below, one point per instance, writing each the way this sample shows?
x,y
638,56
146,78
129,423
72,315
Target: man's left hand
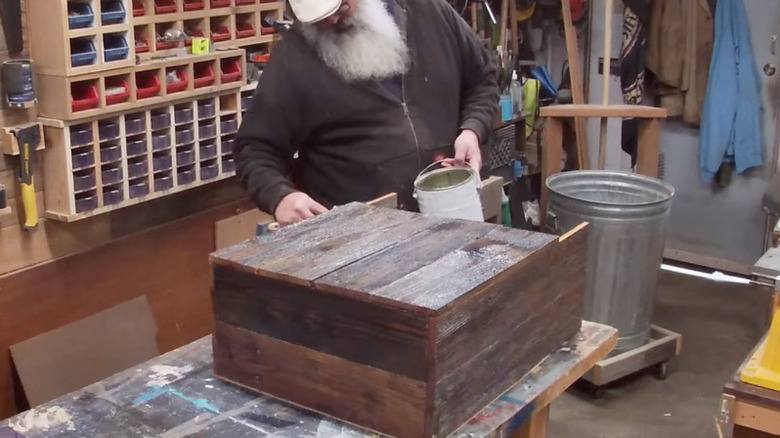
x,y
466,151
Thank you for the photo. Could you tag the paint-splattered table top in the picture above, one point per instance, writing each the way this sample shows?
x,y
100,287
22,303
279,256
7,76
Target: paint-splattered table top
x,y
176,395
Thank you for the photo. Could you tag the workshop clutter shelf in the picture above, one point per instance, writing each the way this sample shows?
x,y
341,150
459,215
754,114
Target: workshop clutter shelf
x,y
149,83
79,36
112,162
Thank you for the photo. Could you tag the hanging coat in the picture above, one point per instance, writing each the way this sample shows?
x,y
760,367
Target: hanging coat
x,y
731,118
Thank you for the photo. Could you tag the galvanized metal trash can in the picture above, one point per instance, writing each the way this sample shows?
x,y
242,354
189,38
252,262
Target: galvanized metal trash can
x,y
628,214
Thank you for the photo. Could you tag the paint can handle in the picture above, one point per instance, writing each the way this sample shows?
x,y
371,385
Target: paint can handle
x,y
429,167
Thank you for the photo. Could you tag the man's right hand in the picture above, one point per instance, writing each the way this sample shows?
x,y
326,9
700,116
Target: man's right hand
x,y
296,207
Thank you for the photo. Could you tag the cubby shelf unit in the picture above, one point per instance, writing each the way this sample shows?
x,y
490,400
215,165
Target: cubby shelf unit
x,y
107,163
68,44
102,93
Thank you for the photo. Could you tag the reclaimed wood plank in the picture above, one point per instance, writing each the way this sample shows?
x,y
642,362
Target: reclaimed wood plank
x,y
354,393
361,332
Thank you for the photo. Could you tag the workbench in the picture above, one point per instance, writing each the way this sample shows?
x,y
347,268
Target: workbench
x,y
176,395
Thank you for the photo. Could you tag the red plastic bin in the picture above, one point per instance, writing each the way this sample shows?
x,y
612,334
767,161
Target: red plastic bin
x,y
83,96
221,33
231,70
180,85
267,30
141,44
245,2
194,5
204,75
164,45
164,6
220,3
245,30
147,84
194,33
115,98
139,9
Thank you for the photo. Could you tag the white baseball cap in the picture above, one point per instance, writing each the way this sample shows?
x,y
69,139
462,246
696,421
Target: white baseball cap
x,y
312,11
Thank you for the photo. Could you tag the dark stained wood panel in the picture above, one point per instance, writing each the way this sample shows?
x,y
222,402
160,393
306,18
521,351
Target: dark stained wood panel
x,y
365,333
330,385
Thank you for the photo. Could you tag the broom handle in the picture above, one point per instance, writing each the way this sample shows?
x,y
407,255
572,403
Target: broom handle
x,y
605,77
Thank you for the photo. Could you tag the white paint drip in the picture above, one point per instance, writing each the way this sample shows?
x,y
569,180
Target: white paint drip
x,y
163,374
38,420
249,425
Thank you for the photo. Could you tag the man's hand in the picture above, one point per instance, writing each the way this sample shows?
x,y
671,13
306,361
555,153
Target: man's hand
x,y
296,207
466,151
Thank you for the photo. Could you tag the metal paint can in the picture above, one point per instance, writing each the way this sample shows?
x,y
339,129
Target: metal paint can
x,y
449,192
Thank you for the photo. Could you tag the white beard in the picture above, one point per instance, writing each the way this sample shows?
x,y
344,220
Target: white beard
x,y
371,48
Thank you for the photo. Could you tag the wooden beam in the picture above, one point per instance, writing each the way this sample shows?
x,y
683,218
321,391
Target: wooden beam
x,y
647,147
552,154
617,111
605,83
577,93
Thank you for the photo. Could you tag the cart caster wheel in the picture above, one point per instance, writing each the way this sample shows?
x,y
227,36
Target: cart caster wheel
x,y
661,371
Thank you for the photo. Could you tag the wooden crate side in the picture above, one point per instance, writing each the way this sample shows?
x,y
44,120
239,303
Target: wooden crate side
x,y
355,393
494,337
372,335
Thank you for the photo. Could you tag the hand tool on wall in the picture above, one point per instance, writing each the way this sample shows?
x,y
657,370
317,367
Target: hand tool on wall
x,y
11,12
29,138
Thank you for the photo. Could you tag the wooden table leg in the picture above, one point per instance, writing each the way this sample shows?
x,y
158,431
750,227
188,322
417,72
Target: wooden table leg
x,y
647,147
536,426
744,432
552,154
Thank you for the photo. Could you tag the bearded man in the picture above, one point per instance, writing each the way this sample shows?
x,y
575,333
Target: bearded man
x,y
367,92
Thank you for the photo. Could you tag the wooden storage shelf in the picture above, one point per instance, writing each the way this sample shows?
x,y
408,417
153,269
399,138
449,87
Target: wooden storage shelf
x,y
146,85
52,35
111,162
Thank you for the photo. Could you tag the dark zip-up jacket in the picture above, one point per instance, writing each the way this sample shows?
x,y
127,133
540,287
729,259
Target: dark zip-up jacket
x,y
359,141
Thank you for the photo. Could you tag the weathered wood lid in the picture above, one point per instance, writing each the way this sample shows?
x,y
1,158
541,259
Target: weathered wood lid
x,y
387,256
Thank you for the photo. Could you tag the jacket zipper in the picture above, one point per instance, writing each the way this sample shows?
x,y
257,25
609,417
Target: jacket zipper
x,y
411,124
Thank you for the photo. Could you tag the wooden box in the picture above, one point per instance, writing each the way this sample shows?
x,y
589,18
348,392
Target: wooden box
x,y
400,323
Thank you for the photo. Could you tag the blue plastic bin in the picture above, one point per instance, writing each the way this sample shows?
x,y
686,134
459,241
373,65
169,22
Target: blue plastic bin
x,y
82,52
112,11
80,15
115,47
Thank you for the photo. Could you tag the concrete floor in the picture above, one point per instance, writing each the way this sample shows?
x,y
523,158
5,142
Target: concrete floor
x,y
720,324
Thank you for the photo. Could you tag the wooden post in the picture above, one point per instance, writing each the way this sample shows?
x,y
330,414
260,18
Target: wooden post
x,y
552,154
502,26
577,94
474,19
605,83
513,25
536,426
647,147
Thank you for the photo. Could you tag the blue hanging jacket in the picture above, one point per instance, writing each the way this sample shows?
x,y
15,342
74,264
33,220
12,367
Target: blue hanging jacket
x,y
731,116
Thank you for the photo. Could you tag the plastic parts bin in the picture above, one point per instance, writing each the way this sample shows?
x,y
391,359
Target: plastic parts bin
x,y
193,33
108,129
227,145
84,181
135,123
139,188
186,176
245,30
83,158
117,90
164,6
182,114
207,130
162,162
220,33
112,195
228,165
86,201
185,157
180,84
142,44
111,175
83,96
220,3
137,168
231,70
80,135
136,147
246,101
80,15
208,151
184,136
110,154
161,141
162,182
112,12
82,52
206,109
229,126
147,84
115,47
194,5
204,75
209,171
245,2
160,120
139,9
